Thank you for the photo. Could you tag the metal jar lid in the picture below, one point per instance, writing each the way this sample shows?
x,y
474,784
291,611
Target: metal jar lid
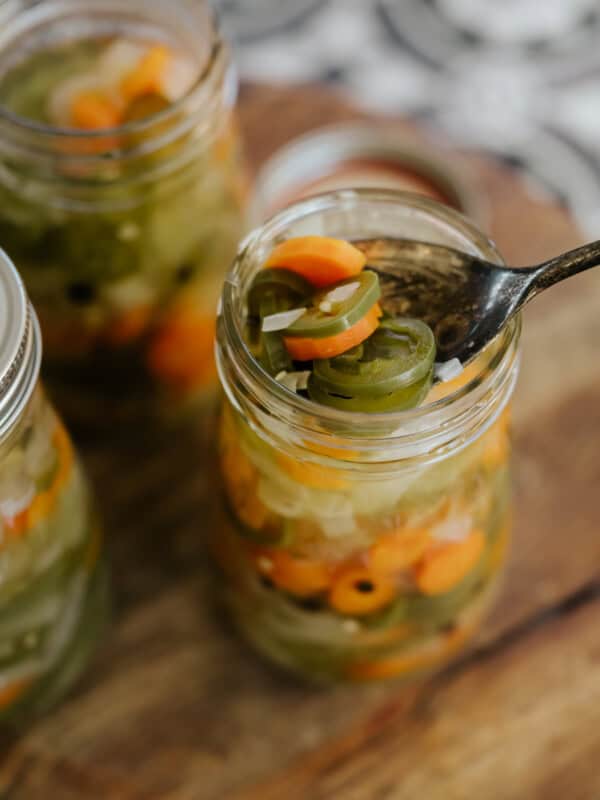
x,y
352,155
20,346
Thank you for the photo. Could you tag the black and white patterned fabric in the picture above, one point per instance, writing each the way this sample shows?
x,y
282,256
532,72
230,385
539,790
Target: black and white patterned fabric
x,y
518,78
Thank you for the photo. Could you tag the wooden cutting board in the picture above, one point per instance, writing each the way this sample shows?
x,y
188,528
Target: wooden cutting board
x,y
174,707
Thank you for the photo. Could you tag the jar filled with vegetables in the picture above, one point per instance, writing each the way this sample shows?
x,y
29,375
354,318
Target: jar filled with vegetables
x,y
367,487
121,195
53,593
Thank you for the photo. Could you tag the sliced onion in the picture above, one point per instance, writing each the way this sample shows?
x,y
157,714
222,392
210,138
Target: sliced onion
x,y
281,320
294,380
178,78
120,58
448,370
454,529
16,493
342,293
337,527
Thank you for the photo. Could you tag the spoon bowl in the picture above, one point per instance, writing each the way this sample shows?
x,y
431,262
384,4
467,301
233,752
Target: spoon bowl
x,y
464,299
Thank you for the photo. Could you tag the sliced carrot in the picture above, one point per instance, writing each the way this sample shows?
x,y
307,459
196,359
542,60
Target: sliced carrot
x,y
496,443
319,259
499,549
359,590
44,502
447,563
181,354
17,525
316,476
147,75
93,111
129,326
394,552
299,576
426,657
10,693
332,450
65,455
302,349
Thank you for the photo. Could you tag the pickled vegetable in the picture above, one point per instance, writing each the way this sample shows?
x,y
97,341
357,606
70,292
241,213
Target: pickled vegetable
x,y
327,315
335,571
53,586
127,229
321,260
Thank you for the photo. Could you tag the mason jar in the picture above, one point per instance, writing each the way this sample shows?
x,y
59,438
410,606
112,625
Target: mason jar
x,y
121,220
358,546
53,592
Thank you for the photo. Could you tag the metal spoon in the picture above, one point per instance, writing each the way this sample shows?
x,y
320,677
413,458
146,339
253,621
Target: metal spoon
x,y
464,299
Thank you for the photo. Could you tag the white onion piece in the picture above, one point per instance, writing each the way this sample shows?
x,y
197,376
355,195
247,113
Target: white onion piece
x,y
337,527
282,320
326,307
119,59
178,78
448,370
278,500
128,293
16,493
351,626
454,529
342,293
294,380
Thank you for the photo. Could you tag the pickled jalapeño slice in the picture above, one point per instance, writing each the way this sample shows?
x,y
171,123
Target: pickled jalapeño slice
x,y
335,309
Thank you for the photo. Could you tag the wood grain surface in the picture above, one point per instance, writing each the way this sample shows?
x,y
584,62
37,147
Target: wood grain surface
x,y
175,707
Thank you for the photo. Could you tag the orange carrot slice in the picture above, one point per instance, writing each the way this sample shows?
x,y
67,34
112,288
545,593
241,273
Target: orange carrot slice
x,y
300,576
11,692
94,111
448,563
181,354
394,552
146,77
359,591
319,259
302,349
421,659
17,525
128,326
316,476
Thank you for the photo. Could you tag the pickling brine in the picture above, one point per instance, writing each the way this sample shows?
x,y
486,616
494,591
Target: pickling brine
x,y
367,509
121,197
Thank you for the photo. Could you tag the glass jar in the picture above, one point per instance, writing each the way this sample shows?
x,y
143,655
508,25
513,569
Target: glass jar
x,y
361,546
122,235
53,588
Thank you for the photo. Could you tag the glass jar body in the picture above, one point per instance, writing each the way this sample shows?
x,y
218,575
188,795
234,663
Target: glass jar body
x,y
53,587
339,576
353,546
122,240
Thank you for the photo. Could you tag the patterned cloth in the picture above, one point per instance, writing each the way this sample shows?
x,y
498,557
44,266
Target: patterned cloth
x,y
518,78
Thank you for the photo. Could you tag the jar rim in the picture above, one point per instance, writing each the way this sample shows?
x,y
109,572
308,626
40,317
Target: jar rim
x,y
436,423
53,137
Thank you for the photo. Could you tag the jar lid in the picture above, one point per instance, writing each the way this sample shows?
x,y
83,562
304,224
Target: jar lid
x,y
20,345
359,155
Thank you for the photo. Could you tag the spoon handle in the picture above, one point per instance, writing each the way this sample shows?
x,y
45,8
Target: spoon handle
x,y
563,266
